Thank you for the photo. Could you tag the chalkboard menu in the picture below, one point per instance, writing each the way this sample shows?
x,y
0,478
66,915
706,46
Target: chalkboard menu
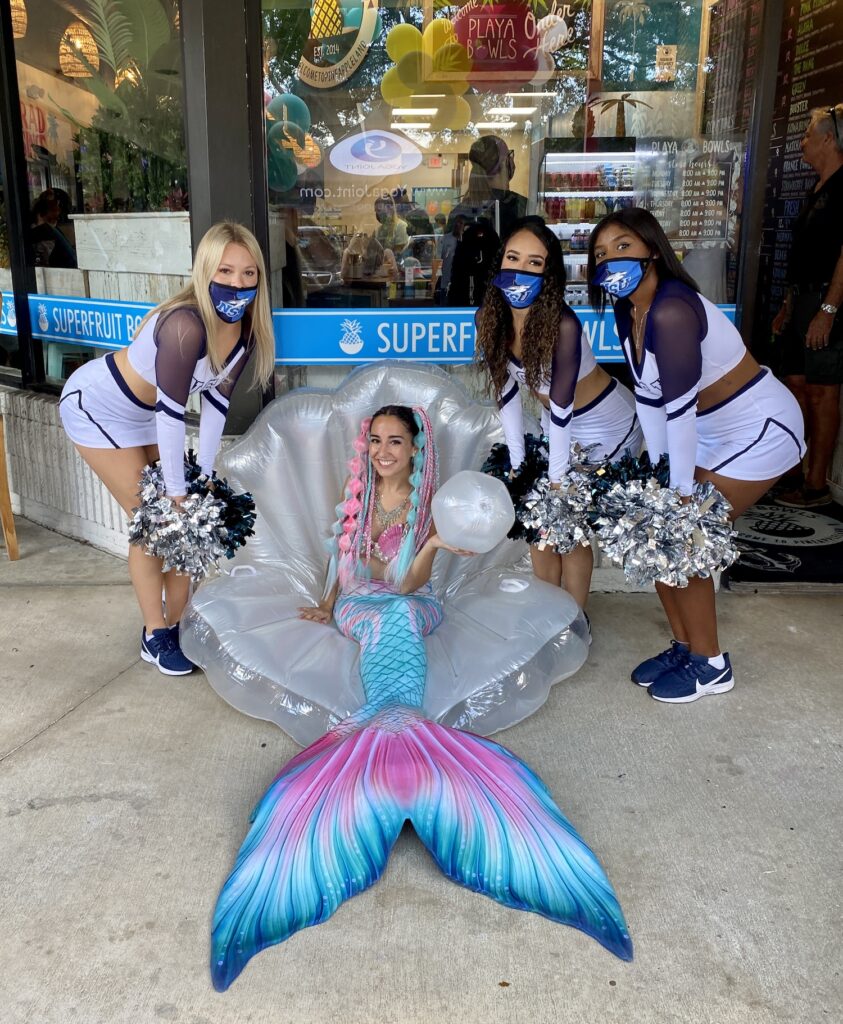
x,y
810,75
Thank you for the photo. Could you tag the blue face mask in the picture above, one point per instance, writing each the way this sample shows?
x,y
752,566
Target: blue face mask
x,y
620,277
520,287
230,303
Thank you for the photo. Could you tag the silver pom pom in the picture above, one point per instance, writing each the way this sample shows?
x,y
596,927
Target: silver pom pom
x,y
656,537
558,517
189,538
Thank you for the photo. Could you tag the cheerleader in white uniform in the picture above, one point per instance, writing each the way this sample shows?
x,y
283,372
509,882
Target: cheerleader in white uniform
x,y
704,401
127,410
528,335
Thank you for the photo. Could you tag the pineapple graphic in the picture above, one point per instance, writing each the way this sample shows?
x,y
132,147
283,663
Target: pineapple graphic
x,y
325,19
351,341
43,322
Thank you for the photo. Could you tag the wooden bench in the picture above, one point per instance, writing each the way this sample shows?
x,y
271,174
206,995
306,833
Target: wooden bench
x,y
6,518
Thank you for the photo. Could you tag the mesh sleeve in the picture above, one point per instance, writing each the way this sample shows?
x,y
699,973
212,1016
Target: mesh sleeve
x,y
565,369
678,326
180,343
215,403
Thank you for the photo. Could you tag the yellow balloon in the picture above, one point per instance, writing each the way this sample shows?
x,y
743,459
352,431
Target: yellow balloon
x,y
401,40
413,69
394,91
452,58
454,113
438,33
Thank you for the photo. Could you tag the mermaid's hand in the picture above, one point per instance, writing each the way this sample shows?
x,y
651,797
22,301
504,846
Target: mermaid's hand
x,y
321,613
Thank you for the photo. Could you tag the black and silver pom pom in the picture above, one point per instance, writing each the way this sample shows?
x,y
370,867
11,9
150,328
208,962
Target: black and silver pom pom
x,y
519,484
657,537
192,538
558,517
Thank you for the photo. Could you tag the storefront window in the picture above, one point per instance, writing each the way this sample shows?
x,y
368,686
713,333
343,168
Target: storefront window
x,y
100,88
403,141
9,350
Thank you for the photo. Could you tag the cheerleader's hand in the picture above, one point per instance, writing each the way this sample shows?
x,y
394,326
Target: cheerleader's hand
x,y
321,613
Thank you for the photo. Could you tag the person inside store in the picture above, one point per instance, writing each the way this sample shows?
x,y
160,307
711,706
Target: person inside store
x,y
392,231
529,337
448,247
705,402
127,410
809,322
409,211
365,259
49,246
488,195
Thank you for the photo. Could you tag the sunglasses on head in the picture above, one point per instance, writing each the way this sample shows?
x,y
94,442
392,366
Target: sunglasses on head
x,y
833,112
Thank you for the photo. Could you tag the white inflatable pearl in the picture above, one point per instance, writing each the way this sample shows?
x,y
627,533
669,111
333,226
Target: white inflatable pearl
x,y
473,511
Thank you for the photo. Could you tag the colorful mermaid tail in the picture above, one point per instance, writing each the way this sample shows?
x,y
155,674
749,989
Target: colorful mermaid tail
x,y
324,829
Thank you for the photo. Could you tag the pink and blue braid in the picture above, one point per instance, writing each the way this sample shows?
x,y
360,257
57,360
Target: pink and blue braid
x,y
423,480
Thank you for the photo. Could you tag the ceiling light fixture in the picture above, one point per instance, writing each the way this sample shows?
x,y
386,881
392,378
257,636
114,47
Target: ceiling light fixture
x,y
511,111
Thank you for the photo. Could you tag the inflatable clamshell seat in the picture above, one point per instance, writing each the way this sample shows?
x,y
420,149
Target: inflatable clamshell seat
x,y
506,637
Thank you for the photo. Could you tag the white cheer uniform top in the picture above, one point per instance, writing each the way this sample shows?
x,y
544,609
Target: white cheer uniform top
x,y
688,344
571,362
171,352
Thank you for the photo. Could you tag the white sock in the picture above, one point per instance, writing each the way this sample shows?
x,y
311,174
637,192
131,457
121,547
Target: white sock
x,y
718,661
682,643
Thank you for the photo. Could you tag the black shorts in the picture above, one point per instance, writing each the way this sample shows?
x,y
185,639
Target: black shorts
x,y
817,366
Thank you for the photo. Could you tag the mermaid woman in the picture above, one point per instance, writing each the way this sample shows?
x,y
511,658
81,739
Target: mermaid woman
x,y
325,827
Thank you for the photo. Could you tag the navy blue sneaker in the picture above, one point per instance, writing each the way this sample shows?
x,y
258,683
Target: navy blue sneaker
x,y
693,679
175,634
650,670
162,649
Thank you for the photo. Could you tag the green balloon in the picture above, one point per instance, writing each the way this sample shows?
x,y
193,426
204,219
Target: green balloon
x,y
281,170
296,110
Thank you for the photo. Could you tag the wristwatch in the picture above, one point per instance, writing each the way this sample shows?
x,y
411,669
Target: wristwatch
x,y
827,307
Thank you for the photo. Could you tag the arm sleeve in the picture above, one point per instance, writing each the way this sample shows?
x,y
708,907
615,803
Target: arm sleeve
x,y
512,418
180,343
565,369
214,409
678,327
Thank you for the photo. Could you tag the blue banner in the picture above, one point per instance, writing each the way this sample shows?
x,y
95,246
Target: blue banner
x,y
305,336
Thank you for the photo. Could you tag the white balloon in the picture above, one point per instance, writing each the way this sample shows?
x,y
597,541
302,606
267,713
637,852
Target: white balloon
x,y
473,511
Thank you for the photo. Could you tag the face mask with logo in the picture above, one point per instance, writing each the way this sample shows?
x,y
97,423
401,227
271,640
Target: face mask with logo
x,y
520,288
620,277
230,303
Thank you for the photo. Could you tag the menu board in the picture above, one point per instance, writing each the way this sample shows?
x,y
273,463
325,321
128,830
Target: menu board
x,y
809,75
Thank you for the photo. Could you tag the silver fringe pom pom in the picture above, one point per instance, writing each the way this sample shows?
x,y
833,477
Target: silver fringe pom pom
x,y
558,517
190,538
656,537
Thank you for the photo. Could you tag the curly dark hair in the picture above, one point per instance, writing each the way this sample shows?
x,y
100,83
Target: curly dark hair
x,y
495,330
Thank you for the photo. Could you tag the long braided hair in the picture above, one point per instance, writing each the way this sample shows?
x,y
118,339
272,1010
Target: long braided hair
x,y
351,542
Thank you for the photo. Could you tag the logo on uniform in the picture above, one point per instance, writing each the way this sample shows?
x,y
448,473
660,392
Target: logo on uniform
x,y
351,341
788,527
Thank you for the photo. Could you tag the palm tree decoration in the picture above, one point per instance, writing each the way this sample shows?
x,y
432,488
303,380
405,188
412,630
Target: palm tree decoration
x,y
620,102
635,11
133,154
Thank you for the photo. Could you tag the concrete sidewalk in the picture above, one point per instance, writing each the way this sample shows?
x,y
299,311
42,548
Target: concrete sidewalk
x,y
125,796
